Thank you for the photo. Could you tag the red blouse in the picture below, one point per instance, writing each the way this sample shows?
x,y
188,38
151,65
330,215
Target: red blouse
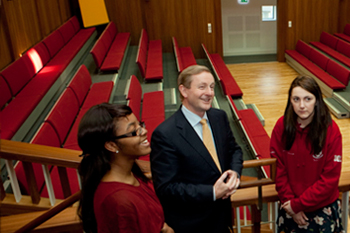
x,y
125,208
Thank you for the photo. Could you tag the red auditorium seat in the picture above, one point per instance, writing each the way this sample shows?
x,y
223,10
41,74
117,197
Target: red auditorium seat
x,y
223,74
334,47
346,33
150,57
109,50
183,55
39,70
316,63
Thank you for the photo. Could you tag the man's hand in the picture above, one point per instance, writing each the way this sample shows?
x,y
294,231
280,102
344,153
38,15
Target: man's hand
x,y
226,185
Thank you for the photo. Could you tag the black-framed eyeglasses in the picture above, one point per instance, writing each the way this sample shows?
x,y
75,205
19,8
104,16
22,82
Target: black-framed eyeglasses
x,y
136,132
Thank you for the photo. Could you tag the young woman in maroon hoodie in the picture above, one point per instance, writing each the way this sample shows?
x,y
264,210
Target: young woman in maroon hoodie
x,y
308,146
116,196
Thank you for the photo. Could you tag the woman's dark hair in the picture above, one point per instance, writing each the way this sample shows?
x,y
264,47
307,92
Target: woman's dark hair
x,y
321,120
97,127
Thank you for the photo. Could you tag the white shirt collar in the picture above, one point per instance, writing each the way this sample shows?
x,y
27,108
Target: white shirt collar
x,y
192,118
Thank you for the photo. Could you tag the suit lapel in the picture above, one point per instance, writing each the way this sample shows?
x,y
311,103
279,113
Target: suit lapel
x,y
190,136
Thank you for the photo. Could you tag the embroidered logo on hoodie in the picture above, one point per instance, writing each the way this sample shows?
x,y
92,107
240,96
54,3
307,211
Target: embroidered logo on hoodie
x,y
318,156
337,158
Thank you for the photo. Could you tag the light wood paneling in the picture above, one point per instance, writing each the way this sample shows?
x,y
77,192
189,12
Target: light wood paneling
x,y
48,15
65,9
344,16
5,50
266,85
16,18
127,16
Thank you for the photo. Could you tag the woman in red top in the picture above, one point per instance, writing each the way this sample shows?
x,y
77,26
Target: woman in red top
x,y
116,196
308,146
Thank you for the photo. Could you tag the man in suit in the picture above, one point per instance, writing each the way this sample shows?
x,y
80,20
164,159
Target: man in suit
x,y
193,189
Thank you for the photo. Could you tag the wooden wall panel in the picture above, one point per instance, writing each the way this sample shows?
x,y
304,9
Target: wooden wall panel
x,y
20,29
49,16
282,27
31,30
218,27
344,15
184,19
65,9
127,16
5,50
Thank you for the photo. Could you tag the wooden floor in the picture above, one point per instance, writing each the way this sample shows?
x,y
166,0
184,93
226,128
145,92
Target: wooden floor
x,y
266,85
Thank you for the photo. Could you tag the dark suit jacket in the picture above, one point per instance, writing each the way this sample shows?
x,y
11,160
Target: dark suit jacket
x,y
184,173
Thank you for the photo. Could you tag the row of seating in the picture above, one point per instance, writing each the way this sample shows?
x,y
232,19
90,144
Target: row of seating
x,y
254,132
227,81
183,56
60,128
330,74
334,47
28,84
109,50
153,110
250,124
346,33
150,57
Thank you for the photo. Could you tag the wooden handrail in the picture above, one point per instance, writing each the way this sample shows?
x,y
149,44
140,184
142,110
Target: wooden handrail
x,y
249,196
50,213
26,152
13,150
259,163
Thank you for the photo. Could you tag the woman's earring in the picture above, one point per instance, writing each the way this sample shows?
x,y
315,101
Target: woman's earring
x,y
117,151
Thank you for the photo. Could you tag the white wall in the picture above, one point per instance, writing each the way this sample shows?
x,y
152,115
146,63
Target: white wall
x,y
244,32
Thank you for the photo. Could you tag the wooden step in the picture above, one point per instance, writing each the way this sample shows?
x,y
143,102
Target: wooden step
x,y
66,221
264,228
9,206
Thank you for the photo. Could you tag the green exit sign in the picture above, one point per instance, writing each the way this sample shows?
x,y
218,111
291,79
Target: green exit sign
x,y
243,1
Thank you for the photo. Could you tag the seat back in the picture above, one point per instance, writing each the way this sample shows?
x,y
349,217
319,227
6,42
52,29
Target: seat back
x,y
67,31
54,42
75,22
99,52
63,114
112,29
19,73
5,92
80,84
39,55
344,48
303,48
319,59
338,71
329,40
347,29
141,57
134,96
